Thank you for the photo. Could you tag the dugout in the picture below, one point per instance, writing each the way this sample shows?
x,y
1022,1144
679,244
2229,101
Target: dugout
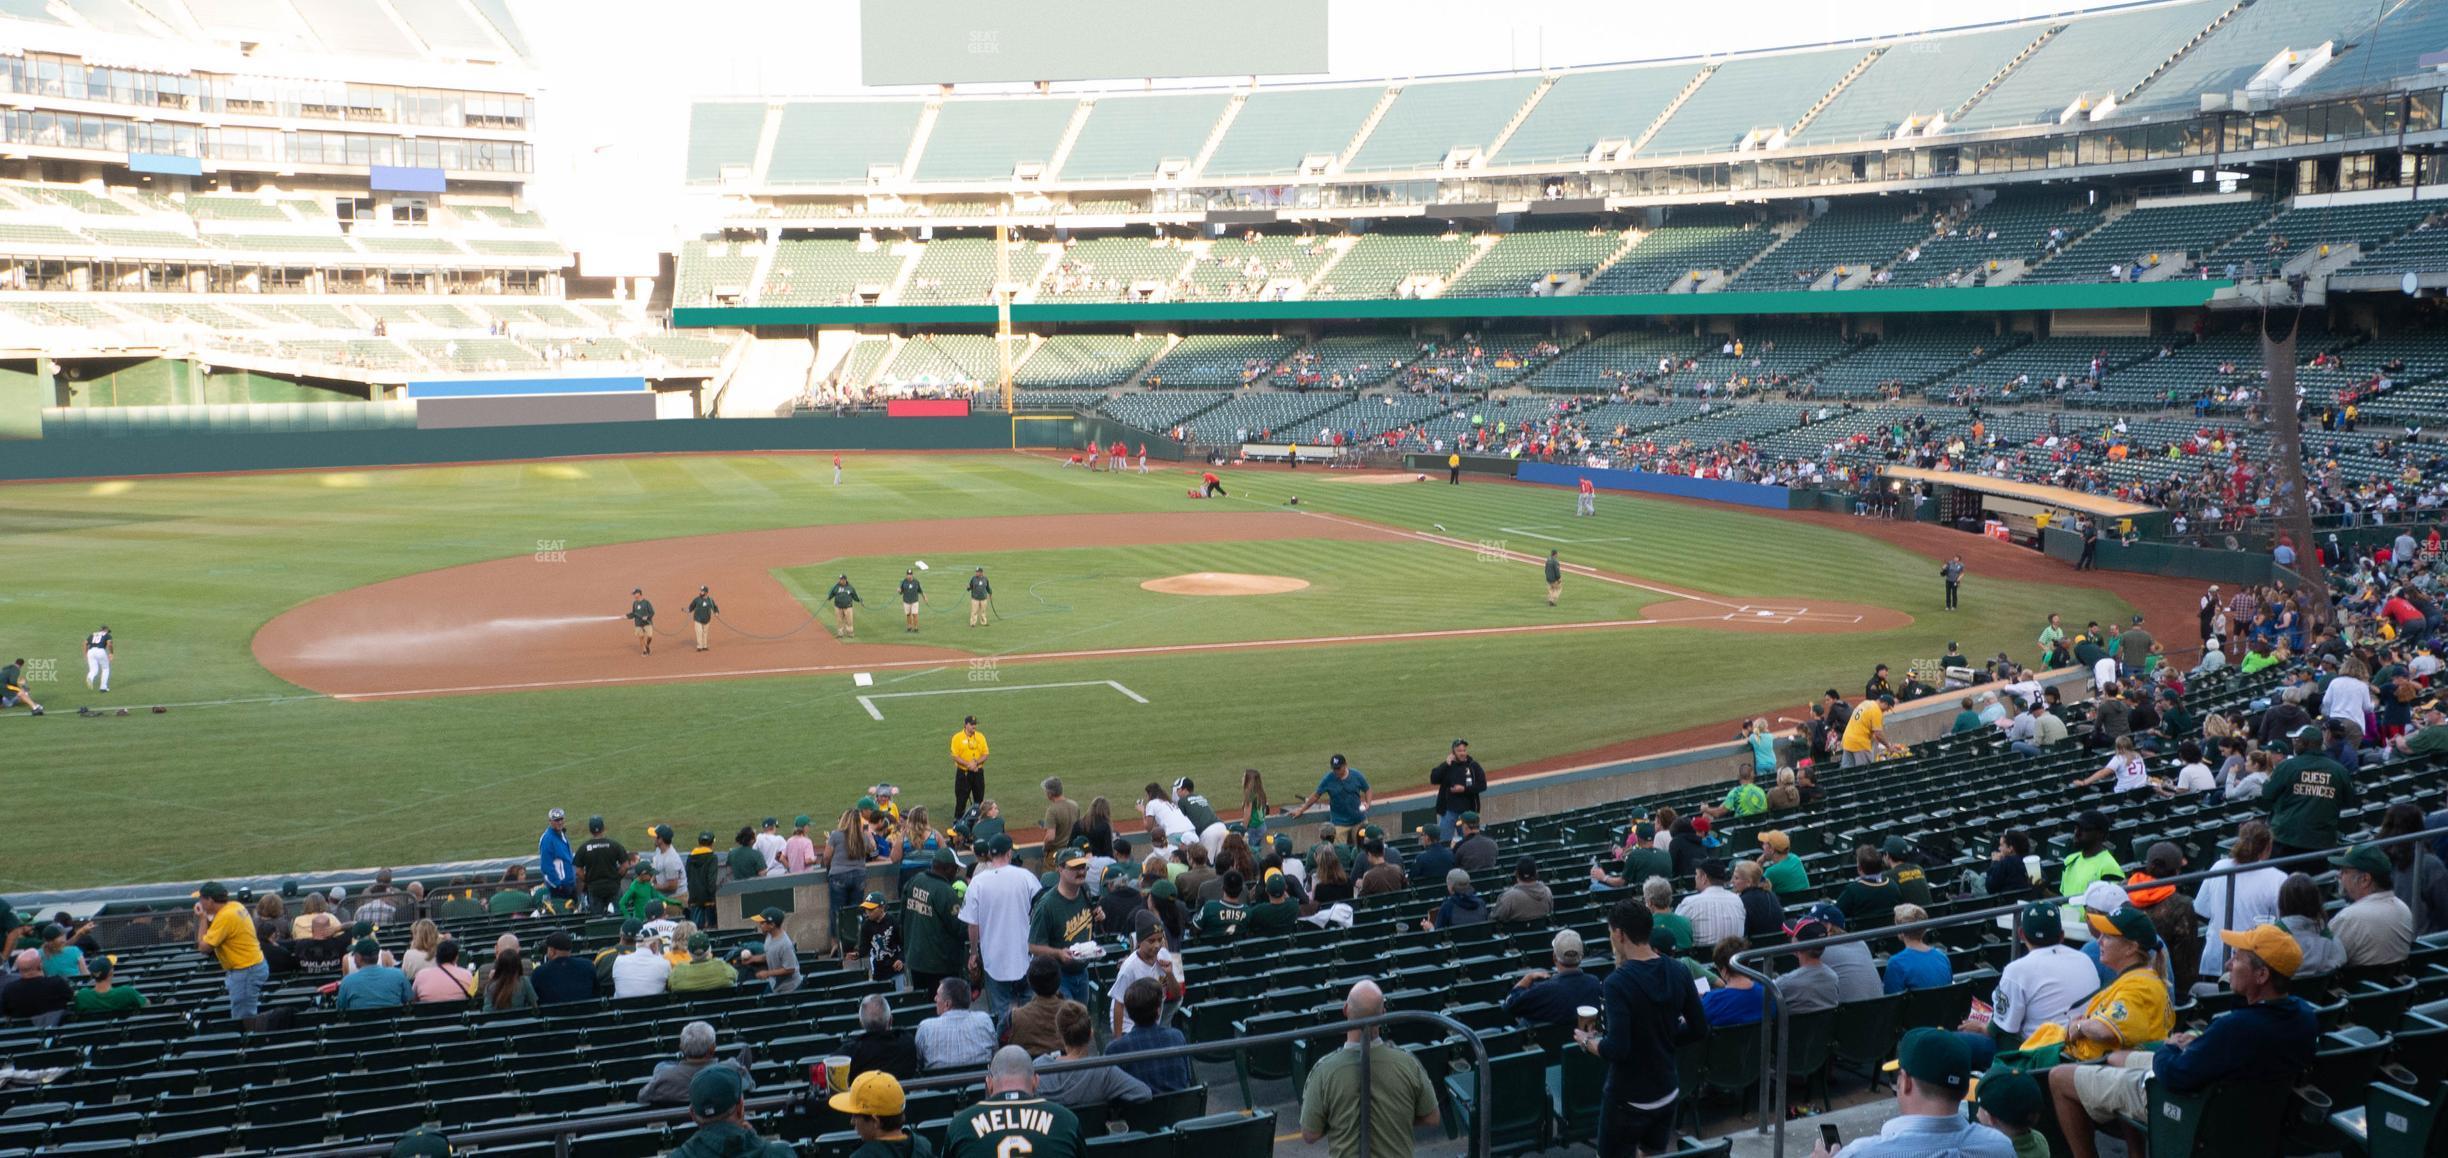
x,y
2021,510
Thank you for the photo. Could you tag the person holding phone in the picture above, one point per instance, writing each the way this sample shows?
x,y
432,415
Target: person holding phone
x,y
1934,1069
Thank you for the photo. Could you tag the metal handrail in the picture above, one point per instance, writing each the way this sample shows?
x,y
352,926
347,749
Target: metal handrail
x,y
562,1131
1775,1032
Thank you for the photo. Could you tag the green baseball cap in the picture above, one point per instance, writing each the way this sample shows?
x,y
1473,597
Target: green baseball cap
x,y
2042,923
213,891
1942,1057
1163,887
2363,858
632,927
1470,818
771,915
947,858
2013,1099
866,804
595,824
422,1142
1896,846
2128,922
700,943
802,820
714,1091
996,845
873,901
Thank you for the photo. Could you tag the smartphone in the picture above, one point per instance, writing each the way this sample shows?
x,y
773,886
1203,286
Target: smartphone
x,y
1828,1134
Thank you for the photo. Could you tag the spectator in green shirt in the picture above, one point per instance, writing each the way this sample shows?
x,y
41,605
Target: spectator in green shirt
x,y
702,972
1779,866
513,896
640,897
1658,894
104,996
745,861
2431,736
1745,799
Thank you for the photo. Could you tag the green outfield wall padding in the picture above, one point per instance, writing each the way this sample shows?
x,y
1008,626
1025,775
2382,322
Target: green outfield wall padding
x,y
2122,296
2149,558
1088,426
22,398
155,382
345,449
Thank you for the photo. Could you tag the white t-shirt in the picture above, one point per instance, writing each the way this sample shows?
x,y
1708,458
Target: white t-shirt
x,y
2256,901
2048,984
1132,969
768,845
2347,699
640,973
998,904
2132,772
2195,777
2104,672
1176,826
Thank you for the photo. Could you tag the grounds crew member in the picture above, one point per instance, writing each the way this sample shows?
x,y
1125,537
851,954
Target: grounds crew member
x,y
641,614
1213,485
12,687
600,861
843,595
911,596
980,591
702,610
934,943
1453,468
1952,574
1555,577
968,766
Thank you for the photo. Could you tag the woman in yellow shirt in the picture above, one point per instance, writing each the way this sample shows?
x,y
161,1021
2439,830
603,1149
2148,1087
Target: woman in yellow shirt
x,y
2128,1013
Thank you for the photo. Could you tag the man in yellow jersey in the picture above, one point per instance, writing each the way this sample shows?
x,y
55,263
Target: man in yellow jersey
x,y
1866,732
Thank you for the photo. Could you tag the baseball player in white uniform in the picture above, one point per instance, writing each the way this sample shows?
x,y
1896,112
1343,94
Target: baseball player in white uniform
x,y
99,648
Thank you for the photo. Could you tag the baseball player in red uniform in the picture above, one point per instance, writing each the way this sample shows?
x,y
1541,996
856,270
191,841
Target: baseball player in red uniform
x,y
1214,486
1143,458
1589,498
1120,457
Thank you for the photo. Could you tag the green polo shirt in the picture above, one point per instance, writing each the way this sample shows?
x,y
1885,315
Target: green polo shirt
x,y
843,595
1787,876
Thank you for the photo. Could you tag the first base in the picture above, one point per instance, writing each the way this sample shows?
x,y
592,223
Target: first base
x,y
862,679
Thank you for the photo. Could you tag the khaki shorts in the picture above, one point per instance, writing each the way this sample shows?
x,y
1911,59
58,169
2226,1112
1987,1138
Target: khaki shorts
x,y
2109,1092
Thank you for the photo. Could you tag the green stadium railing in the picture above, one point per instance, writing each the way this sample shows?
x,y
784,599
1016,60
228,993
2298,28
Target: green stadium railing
x,y
1776,1024
2174,293
562,1131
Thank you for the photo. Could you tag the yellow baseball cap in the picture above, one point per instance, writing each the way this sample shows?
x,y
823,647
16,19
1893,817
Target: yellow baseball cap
x,y
2276,947
875,1094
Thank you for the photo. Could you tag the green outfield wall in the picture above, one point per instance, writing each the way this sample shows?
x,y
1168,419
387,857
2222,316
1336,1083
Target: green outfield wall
x,y
206,453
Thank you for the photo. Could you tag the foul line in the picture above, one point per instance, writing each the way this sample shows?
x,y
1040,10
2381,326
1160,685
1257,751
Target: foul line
x,y
868,702
1519,557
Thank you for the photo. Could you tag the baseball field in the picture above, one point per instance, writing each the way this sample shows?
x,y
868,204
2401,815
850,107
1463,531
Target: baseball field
x,y
402,666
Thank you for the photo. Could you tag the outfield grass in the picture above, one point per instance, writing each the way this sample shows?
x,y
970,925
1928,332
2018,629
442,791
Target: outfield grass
x,y
186,570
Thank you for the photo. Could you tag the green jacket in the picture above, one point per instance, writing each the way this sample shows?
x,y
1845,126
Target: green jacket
x,y
635,899
933,939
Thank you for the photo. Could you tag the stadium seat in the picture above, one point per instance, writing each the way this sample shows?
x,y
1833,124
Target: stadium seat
x,y
1576,1088
1517,1106
1241,1134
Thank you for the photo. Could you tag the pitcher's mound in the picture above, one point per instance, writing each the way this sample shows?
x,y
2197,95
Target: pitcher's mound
x,y
1224,583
